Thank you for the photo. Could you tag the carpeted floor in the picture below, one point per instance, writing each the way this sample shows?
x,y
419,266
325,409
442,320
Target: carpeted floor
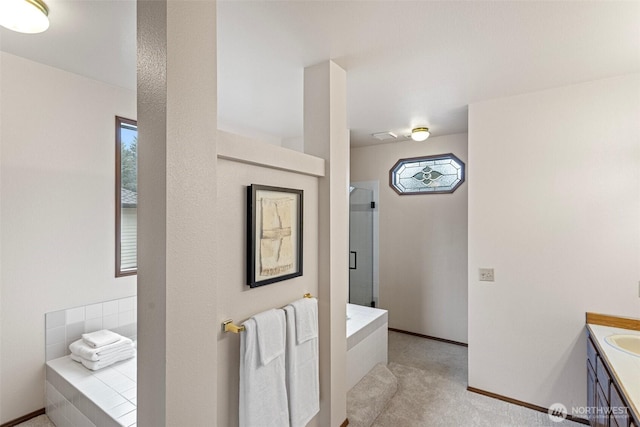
x,y
432,381
41,421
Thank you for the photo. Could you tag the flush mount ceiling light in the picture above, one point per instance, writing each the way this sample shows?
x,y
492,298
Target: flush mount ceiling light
x,y
419,134
24,16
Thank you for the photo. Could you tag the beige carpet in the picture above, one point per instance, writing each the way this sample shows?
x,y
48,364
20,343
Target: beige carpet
x,y
41,421
432,381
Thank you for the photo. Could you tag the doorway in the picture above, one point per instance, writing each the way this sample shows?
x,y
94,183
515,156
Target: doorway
x,y
363,243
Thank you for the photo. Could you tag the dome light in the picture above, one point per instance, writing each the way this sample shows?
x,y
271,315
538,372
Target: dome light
x,y
24,16
420,134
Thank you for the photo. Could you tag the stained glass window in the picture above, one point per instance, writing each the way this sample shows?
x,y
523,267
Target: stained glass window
x,y
427,175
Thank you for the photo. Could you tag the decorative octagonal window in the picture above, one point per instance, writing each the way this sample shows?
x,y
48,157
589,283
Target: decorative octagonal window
x,y
439,174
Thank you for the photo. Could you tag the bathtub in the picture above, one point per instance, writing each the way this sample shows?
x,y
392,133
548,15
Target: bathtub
x,y
367,338
76,396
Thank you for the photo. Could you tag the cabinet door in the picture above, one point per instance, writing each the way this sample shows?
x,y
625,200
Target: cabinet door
x,y
602,409
591,393
591,352
619,411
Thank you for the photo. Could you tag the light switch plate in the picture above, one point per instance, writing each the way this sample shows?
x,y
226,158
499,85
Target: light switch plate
x,y
486,274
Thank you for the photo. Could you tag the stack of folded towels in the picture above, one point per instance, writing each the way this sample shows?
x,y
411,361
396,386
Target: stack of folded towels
x,y
101,348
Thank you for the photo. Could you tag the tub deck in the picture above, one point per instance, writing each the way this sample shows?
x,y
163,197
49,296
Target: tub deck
x,y
79,397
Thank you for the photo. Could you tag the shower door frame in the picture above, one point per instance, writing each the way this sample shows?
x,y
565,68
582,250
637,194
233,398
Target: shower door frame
x,y
374,187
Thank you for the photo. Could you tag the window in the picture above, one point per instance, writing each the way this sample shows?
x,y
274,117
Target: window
x,y
443,173
126,197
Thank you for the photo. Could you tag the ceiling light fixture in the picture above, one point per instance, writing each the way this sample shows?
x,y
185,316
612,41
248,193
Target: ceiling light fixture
x,y
24,16
419,134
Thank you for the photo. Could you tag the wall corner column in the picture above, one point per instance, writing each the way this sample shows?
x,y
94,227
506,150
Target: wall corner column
x,y
326,136
177,127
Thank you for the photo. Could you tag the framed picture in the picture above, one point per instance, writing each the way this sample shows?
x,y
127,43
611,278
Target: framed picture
x,y
274,234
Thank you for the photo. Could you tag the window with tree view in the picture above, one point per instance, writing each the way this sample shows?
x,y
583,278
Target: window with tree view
x,y
126,196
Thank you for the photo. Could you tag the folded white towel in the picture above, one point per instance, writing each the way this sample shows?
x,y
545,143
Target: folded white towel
x,y
99,364
263,393
302,365
82,349
270,325
101,338
306,319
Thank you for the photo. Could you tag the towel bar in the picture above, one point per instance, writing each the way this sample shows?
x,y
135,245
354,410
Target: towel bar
x,y
229,326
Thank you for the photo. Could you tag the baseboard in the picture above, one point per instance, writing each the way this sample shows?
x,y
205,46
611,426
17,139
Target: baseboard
x,y
525,404
345,423
24,418
415,334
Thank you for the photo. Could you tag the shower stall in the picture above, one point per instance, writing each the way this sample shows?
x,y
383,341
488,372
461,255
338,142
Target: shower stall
x,y
363,271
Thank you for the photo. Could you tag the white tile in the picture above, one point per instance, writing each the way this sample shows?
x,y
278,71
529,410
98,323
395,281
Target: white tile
x,y
84,421
108,402
55,319
73,415
93,311
131,394
55,351
122,384
121,410
126,304
56,417
75,315
55,335
92,325
110,322
126,318
56,397
128,419
92,386
64,407
128,368
109,308
74,332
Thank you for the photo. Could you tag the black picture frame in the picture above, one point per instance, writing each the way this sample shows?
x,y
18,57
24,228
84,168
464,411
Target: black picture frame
x,y
274,234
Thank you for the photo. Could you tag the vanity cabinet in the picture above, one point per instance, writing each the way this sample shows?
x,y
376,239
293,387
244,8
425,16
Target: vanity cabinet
x,y
607,406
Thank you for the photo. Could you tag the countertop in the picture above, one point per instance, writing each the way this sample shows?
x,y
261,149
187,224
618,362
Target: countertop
x,y
625,367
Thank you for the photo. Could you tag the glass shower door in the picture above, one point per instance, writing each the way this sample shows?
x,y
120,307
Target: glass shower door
x,y
361,207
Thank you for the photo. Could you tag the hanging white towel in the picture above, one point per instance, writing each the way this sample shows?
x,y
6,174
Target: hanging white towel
x,y
101,338
271,332
303,385
263,392
306,319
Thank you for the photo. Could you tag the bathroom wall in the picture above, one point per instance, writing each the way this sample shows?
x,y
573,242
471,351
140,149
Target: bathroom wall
x,y
57,226
423,242
236,300
554,208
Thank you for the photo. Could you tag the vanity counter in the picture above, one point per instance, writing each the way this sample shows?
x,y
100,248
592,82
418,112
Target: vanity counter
x,y
623,366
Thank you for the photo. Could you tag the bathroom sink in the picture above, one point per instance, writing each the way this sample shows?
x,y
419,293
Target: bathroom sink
x,y
627,343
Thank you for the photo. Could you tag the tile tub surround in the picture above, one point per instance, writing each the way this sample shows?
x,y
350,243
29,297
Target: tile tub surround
x,y
65,326
78,397
367,338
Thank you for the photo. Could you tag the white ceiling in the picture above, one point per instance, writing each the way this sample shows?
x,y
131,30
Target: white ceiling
x,y
408,63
